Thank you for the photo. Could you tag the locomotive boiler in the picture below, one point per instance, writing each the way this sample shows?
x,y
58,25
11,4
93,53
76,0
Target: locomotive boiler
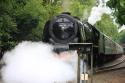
x,y
64,29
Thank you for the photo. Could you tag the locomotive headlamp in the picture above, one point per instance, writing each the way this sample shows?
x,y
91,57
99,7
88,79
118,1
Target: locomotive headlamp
x,y
63,29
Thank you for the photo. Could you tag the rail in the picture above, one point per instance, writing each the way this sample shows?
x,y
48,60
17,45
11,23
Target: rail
x,y
113,66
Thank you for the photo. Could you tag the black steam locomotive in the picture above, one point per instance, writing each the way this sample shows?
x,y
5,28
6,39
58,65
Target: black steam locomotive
x,y
64,29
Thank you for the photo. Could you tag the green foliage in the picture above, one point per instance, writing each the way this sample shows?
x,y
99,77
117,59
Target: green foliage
x,y
77,7
25,24
122,37
106,26
119,10
7,28
24,20
81,8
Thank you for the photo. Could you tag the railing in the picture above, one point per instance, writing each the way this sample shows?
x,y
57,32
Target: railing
x,y
84,73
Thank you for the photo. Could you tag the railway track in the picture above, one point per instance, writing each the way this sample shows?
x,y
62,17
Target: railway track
x,y
114,76
115,65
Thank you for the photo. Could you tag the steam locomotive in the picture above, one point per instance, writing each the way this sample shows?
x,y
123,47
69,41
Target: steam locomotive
x,y
64,29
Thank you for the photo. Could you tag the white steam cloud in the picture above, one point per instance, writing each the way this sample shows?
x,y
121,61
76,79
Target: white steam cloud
x,y
98,11
35,62
122,28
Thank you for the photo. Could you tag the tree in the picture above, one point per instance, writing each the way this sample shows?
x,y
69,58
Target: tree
x,y
119,10
81,8
107,26
122,37
7,25
24,20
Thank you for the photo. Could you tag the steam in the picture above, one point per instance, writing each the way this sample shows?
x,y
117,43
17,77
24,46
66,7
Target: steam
x,y
122,28
98,11
35,62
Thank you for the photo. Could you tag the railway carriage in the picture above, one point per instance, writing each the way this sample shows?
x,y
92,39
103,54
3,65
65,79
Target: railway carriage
x,y
104,49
